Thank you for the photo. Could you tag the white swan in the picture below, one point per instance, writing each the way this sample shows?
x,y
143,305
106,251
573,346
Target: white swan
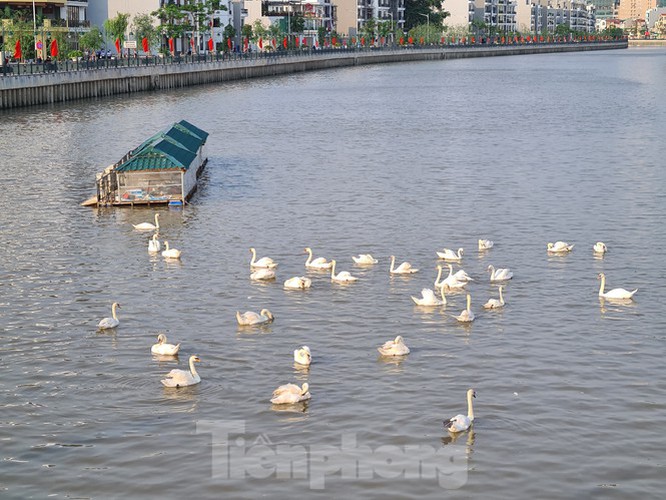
x,y
342,276
365,259
154,244
448,254
499,274
450,282
170,253
264,262
263,274
486,244
494,303
108,323
615,293
303,356
428,298
600,248
298,283
466,316
404,268
462,422
163,348
559,247
147,226
318,263
290,393
252,318
394,347
183,378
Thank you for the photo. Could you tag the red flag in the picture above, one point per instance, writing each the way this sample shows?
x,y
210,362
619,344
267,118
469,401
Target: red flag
x,y
144,42
118,45
246,42
334,41
362,40
54,48
297,41
17,49
305,42
229,43
210,44
261,43
192,42
274,43
421,40
171,45
284,42
410,40
402,40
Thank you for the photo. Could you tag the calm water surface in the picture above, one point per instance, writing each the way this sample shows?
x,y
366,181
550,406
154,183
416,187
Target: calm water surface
x,y
391,160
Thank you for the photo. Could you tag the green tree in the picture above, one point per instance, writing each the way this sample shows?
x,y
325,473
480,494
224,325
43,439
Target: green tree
x,y
415,10
143,27
369,28
562,30
297,23
91,40
259,30
116,27
246,31
228,34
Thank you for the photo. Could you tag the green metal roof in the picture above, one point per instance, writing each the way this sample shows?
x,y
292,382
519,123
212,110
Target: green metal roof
x,y
172,149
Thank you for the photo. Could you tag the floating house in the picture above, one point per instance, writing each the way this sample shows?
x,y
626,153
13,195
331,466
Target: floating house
x,y
162,170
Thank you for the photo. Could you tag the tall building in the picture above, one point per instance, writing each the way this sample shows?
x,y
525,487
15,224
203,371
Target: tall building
x,y
634,9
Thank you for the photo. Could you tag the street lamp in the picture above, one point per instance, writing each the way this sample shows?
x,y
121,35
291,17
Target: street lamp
x,y
390,13
427,16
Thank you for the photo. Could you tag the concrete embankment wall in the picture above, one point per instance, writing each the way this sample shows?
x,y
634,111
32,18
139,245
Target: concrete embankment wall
x,y
45,88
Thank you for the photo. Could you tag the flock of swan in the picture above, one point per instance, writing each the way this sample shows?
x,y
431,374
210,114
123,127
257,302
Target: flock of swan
x,y
264,269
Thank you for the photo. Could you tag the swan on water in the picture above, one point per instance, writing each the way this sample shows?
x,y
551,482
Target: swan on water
x,y
450,283
559,247
494,303
448,254
615,293
342,276
318,263
499,274
290,393
263,274
600,248
303,356
112,322
264,262
147,226
404,268
394,347
182,378
486,244
163,348
461,422
428,298
365,259
154,244
170,253
466,316
252,318
298,283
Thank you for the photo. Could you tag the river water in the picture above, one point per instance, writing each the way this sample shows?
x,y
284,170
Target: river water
x,y
400,159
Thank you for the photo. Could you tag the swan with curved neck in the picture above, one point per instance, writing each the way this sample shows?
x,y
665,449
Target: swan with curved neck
x,y
499,274
486,244
615,293
466,316
182,378
303,356
342,276
448,254
298,283
461,422
394,347
364,259
318,263
163,348
494,303
450,282
154,244
113,321
404,268
264,262
428,298
290,394
252,318
600,248
170,253
147,226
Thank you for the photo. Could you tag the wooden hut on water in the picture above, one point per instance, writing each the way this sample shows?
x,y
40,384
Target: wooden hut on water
x,y
162,170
